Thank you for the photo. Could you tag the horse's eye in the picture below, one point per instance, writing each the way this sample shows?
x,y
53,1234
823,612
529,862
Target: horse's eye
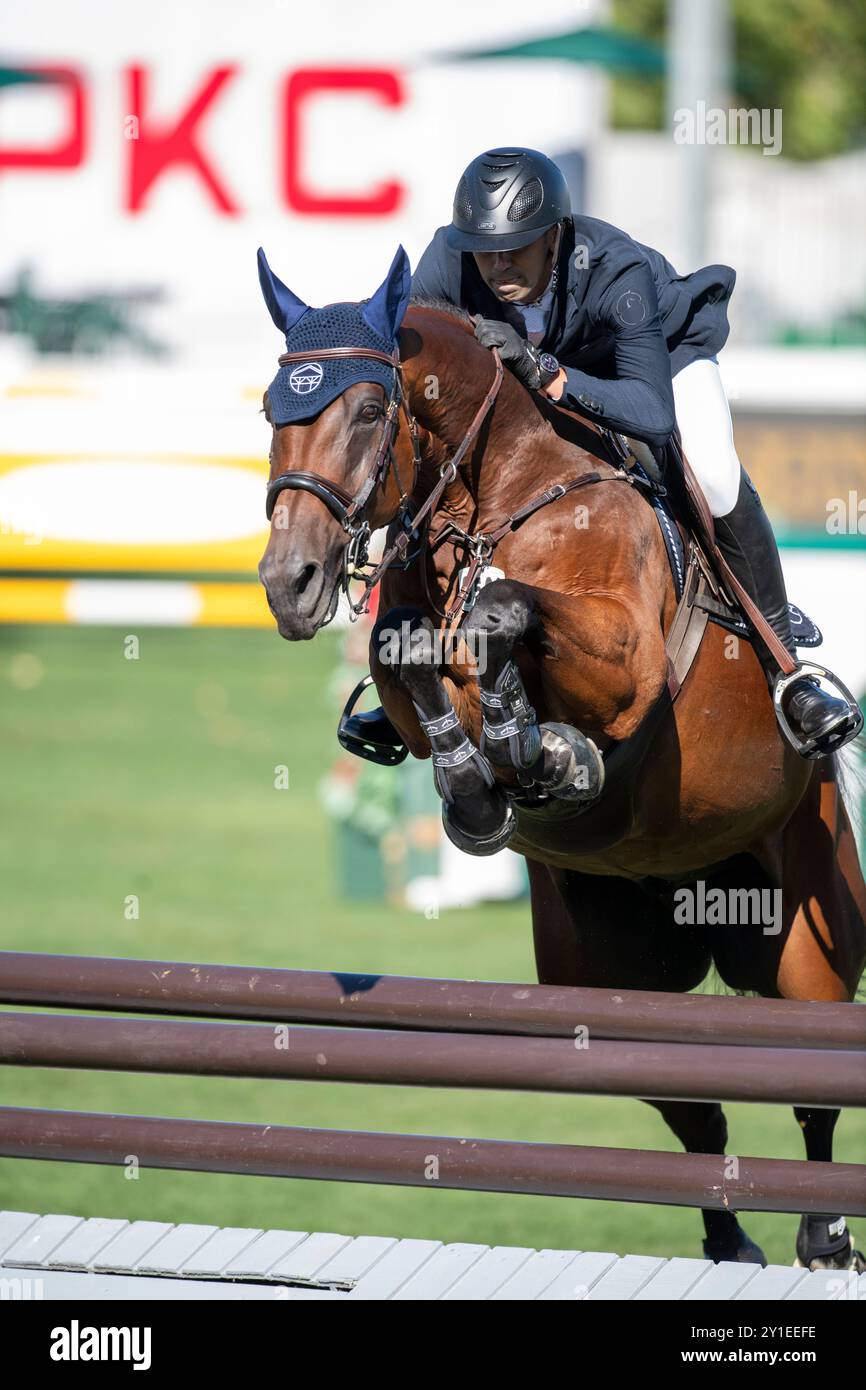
x,y
370,412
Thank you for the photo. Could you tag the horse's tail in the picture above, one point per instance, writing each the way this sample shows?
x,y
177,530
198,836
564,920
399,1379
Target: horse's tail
x,y
850,766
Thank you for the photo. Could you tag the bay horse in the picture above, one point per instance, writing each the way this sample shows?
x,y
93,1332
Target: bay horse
x,y
568,741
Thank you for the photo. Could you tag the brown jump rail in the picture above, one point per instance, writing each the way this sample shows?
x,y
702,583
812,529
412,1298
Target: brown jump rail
x,y
383,1001
481,1165
657,1070
431,1033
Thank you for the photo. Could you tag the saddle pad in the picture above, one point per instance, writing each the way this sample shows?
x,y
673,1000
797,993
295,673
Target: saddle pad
x,y
806,633
670,535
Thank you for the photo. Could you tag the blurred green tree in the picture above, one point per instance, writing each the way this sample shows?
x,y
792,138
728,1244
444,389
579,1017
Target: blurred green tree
x,y
807,57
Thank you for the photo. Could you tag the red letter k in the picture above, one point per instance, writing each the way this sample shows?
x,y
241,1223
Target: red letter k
x,y
156,148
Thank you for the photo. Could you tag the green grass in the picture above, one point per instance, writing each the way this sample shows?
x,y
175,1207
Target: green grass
x,y
154,778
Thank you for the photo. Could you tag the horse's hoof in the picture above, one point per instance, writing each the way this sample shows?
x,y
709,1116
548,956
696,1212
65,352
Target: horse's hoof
x,y
481,844
845,1259
578,767
739,1249
824,1242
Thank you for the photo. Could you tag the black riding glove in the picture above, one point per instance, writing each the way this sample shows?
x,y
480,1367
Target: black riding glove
x,y
515,351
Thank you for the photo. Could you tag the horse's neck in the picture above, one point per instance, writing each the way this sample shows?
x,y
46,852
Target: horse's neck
x,y
520,451
493,477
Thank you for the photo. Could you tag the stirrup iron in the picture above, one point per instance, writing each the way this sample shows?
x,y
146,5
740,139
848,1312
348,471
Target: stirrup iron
x,y
821,745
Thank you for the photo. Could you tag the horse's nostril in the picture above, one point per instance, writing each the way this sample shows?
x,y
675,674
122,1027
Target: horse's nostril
x,y
304,577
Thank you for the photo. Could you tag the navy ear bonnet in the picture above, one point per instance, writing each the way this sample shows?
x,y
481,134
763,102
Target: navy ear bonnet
x,y
302,389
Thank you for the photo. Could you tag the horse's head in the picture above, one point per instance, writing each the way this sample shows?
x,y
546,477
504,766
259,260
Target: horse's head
x,y
333,409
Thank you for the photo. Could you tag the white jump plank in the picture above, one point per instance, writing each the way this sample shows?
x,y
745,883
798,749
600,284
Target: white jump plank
x,y
225,1246
38,1242
536,1275
623,1280
263,1254
576,1281
305,1261
774,1282
723,1281
440,1273
81,1246
13,1224
125,1252
175,1250
830,1284
101,1258
52,1284
396,1267
483,1279
674,1280
355,1259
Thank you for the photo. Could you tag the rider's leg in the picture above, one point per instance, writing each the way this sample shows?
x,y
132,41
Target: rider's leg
x,y
746,539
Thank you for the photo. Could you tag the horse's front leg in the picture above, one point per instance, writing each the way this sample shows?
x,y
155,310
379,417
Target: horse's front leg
x,y
406,661
600,666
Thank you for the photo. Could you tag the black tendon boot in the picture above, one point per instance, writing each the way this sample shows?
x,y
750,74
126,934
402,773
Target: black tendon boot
x,y
819,721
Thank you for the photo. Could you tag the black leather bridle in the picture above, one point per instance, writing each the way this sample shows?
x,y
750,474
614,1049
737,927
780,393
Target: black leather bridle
x,y
345,508
349,510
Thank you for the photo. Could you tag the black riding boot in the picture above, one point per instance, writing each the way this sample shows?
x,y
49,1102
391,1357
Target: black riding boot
x,y
745,537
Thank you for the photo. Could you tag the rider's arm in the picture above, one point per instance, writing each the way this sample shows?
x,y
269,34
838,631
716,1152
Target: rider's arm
x,y
640,400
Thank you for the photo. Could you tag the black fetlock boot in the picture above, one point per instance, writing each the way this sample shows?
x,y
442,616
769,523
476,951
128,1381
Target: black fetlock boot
x,y
509,729
820,722
824,1242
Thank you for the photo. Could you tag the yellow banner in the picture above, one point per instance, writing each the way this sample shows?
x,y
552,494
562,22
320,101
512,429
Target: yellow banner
x,y
132,512
131,603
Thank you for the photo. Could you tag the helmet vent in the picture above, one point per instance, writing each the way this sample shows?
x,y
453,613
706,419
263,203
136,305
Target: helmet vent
x,y
493,184
462,202
527,202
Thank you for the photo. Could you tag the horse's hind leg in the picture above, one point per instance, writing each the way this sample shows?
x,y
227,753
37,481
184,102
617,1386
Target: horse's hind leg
x,y
476,813
820,955
824,1242
608,932
701,1128
553,756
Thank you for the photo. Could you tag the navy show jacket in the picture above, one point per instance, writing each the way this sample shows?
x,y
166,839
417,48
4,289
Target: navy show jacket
x,y
623,322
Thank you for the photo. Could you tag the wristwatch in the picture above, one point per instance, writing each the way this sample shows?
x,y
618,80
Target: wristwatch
x,y
547,365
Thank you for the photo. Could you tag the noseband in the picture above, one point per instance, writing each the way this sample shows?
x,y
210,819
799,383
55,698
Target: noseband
x,y
343,507
349,510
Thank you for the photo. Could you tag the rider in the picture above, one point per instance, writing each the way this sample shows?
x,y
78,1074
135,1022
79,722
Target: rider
x,y
606,327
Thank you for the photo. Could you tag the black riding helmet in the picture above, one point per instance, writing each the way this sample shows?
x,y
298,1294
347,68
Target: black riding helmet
x,y
506,199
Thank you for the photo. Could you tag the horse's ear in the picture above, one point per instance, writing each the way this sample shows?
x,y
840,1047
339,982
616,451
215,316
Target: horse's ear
x,y
285,307
384,312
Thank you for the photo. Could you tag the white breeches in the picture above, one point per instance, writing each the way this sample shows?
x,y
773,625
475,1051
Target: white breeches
x,y
704,420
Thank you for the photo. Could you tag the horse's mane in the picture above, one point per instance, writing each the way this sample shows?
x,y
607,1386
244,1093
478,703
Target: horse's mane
x,y
442,306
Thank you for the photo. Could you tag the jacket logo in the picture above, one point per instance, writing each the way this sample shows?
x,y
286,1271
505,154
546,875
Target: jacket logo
x,y
630,309
306,377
